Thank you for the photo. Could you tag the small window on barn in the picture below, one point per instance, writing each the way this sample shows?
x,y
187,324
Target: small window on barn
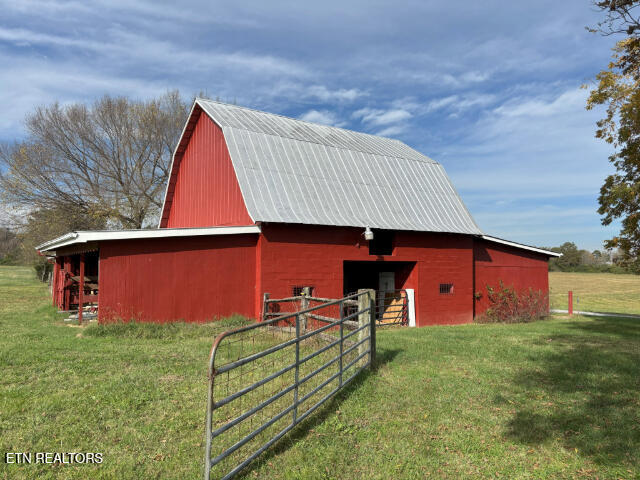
x,y
382,243
299,289
446,289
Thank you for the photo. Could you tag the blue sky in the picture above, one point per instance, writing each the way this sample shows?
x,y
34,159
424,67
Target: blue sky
x,y
490,89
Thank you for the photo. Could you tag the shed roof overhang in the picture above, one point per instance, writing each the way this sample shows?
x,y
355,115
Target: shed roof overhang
x,y
521,246
87,236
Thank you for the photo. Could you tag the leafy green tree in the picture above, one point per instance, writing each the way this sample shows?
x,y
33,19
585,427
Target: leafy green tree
x,y
571,256
618,88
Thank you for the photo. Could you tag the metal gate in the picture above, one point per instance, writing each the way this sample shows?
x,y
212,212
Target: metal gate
x,y
265,378
392,307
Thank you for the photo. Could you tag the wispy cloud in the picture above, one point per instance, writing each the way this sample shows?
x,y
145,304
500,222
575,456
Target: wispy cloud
x,y
125,46
379,117
392,131
567,101
324,117
458,103
322,93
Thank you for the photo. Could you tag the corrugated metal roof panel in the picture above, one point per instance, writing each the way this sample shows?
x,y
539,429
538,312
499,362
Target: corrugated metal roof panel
x,y
242,118
291,171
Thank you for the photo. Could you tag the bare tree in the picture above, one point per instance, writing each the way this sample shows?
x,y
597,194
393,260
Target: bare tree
x,y
620,17
109,161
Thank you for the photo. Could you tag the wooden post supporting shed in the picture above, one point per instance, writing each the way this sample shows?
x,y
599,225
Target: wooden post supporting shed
x,y
81,290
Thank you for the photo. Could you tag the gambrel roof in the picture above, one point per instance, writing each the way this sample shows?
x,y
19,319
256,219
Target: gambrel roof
x,y
291,171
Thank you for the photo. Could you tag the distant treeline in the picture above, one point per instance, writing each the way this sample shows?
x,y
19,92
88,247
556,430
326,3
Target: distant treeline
x,y
9,247
598,261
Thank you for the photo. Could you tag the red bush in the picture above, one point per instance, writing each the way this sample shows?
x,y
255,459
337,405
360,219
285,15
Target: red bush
x,y
509,306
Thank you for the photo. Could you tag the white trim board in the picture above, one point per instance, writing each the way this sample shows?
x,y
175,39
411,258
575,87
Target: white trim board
x,y
520,245
85,236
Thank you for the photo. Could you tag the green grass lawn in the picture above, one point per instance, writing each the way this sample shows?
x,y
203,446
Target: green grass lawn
x,y
596,292
550,399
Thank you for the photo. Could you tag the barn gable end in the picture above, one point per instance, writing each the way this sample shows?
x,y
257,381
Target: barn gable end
x,y
203,190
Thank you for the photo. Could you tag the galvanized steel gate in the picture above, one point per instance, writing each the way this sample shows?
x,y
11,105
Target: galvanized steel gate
x,y
267,377
392,307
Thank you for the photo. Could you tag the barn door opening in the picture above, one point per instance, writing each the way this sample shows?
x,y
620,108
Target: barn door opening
x,y
391,305
390,281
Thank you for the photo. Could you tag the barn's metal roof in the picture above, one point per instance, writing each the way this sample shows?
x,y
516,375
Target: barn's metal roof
x,y
291,171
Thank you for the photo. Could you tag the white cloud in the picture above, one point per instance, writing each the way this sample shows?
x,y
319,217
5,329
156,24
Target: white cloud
x,y
505,179
570,100
324,117
26,86
120,65
191,12
441,103
474,77
390,116
123,46
532,165
323,94
538,215
378,117
38,6
23,37
458,103
392,131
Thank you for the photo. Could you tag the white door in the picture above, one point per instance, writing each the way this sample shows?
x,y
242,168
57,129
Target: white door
x,y
387,281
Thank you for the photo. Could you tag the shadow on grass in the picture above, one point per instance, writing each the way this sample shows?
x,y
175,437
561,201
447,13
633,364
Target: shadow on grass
x,y
585,390
320,415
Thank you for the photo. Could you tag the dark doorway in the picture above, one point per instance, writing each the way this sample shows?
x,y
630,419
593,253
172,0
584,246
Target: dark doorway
x,y
373,274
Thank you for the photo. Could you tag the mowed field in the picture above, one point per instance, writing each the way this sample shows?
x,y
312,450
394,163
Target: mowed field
x,y
552,399
595,292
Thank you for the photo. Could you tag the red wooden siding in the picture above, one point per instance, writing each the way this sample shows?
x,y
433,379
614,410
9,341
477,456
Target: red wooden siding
x,y
516,268
57,280
314,256
190,278
442,258
205,191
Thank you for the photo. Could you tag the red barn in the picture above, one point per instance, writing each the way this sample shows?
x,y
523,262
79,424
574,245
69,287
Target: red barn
x,y
258,203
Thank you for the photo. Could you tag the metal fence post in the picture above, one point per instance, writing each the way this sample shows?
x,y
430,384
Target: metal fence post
x,y
208,434
341,339
372,327
570,303
297,374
